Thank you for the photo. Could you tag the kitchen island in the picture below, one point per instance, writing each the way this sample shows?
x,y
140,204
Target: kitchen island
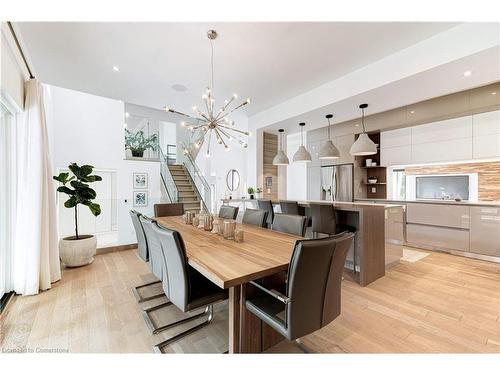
x,y
466,228
378,239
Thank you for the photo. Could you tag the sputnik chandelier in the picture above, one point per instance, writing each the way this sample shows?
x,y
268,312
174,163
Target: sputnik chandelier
x,y
210,123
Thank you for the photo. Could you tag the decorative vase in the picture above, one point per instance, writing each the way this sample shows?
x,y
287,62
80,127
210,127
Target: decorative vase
x,y
137,153
76,253
229,227
251,196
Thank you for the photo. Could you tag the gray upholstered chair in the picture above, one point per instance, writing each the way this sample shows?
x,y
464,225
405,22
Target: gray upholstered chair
x,y
228,212
185,287
168,209
156,264
324,220
255,217
143,250
290,207
293,208
292,224
312,297
267,205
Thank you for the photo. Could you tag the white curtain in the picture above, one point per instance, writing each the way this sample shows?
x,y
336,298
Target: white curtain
x,y
36,254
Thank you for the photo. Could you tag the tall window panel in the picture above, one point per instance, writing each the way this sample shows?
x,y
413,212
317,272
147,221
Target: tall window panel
x,y
7,196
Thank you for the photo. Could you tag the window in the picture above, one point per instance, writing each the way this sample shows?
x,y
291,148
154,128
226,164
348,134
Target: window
x,y
7,194
398,184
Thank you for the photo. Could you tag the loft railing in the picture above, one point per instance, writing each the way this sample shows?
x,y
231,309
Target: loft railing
x,y
168,182
201,185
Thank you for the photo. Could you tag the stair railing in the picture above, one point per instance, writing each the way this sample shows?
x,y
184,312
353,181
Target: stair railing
x,y
200,184
167,180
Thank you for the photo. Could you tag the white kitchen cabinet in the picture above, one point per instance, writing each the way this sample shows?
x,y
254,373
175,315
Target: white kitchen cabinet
x,y
456,128
486,123
485,230
395,138
486,146
400,155
442,151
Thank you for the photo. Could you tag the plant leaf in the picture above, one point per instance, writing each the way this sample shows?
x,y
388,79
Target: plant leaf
x,y
63,177
66,190
94,207
71,202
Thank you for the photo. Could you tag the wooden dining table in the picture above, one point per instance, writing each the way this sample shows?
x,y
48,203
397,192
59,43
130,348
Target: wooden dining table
x,y
232,265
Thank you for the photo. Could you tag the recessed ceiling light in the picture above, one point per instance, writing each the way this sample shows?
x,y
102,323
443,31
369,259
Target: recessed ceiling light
x,y
467,73
127,115
356,125
494,93
125,125
179,87
116,69
412,112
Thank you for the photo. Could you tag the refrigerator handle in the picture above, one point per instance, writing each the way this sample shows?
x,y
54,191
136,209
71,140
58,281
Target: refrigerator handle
x,y
334,185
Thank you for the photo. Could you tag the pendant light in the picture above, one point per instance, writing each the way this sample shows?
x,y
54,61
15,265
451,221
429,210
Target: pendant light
x,y
328,150
280,158
302,155
363,145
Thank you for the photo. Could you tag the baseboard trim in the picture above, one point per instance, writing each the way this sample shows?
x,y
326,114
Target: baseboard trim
x,y
112,249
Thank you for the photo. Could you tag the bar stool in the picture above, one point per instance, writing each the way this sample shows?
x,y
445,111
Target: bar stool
x,y
324,220
267,205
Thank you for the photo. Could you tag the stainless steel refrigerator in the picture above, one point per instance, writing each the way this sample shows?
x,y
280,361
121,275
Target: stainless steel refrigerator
x,y
337,183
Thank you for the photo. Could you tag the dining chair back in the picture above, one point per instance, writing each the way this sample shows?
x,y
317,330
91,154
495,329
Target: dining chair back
x,y
142,244
267,205
292,224
228,212
255,217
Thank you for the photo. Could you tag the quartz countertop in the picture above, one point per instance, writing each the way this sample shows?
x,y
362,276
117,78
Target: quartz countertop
x,y
339,204
432,201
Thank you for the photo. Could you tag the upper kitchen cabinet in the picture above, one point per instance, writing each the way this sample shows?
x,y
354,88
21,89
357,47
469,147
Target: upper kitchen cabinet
x,y
486,135
395,147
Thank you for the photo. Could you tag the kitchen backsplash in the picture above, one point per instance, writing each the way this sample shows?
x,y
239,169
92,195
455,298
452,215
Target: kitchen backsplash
x,y
488,176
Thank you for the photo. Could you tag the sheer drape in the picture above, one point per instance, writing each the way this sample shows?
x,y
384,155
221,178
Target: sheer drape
x,y
36,253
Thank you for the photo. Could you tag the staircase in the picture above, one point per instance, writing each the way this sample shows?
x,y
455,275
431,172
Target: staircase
x,y
186,191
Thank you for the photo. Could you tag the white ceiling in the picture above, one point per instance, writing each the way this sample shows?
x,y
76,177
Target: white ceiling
x,y
269,62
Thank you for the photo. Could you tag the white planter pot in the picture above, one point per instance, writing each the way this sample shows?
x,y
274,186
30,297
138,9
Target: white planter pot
x,y
76,253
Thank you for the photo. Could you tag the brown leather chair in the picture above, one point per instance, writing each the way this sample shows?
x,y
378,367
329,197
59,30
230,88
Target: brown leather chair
x,y
168,209
312,297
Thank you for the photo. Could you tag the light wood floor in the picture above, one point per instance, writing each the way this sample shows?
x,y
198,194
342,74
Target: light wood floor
x,y
441,303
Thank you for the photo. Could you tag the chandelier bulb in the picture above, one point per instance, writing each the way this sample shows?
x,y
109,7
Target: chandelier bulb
x,y
167,109
207,154
235,96
248,100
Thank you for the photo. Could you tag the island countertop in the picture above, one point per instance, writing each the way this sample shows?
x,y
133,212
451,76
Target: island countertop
x,y
336,204
430,201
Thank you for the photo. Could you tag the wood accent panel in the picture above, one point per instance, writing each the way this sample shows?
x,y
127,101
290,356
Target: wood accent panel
x,y
227,263
270,149
488,176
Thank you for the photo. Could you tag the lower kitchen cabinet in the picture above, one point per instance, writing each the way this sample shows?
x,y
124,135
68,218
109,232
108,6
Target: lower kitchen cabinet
x,y
485,230
432,237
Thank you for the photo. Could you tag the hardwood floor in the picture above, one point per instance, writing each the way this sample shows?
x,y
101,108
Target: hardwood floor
x,y
439,304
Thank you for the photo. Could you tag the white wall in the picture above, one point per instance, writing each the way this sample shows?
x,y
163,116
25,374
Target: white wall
x,y
88,129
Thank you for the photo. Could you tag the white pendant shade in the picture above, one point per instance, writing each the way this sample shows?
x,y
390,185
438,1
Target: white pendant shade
x,y
302,155
328,151
281,158
363,146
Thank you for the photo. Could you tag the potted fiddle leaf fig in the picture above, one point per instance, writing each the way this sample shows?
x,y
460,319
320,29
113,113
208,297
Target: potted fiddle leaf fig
x,y
78,250
137,143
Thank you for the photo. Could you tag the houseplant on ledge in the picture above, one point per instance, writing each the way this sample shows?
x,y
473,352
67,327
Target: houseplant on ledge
x,y
251,192
78,250
137,143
